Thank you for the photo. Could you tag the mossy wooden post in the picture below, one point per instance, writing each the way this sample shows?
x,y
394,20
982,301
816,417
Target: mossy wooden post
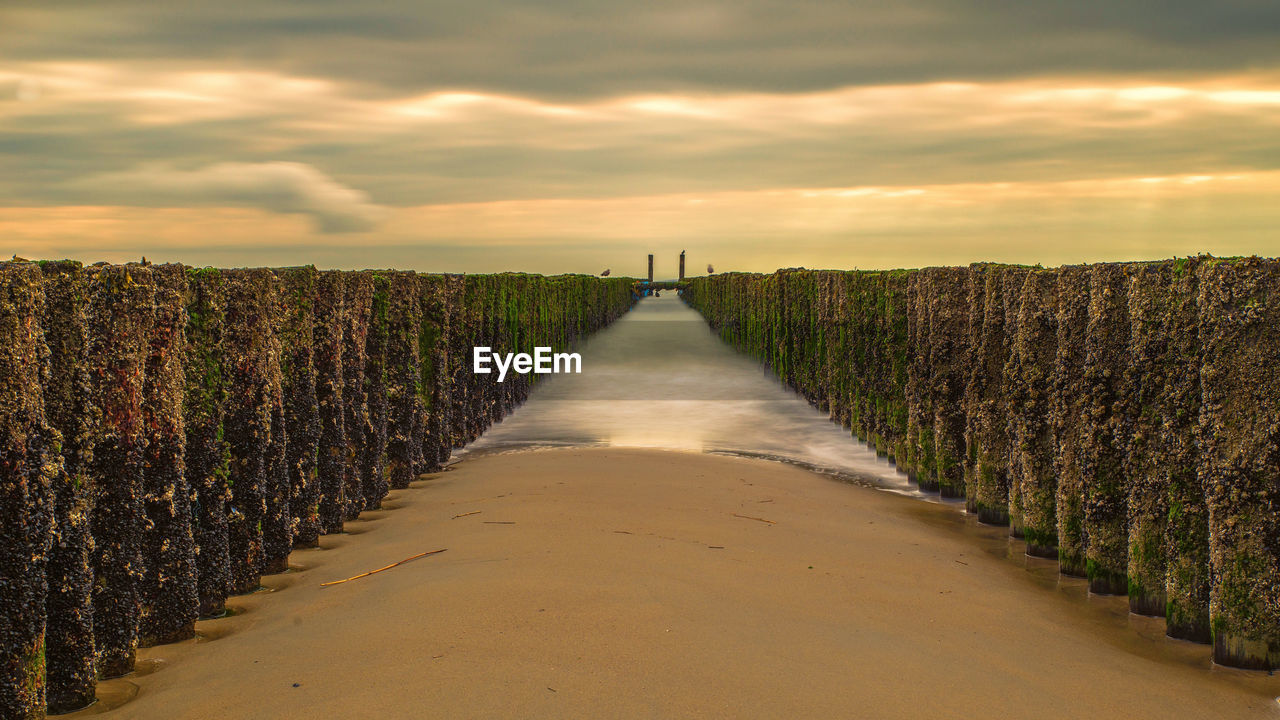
x,y
949,360
922,467
1103,434
975,382
1187,539
989,405
1145,462
277,520
327,338
207,455
404,373
30,468
1240,457
247,426
1034,353
298,346
120,313
895,289
460,330
433,353
68,404
1067,412
1012,279
373,470
168,594
358,295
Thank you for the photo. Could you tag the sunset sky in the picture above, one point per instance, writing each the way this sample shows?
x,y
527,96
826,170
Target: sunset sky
x,y
571,136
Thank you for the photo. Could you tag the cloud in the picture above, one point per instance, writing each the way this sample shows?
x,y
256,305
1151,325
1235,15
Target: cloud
x,y
282,187
577,49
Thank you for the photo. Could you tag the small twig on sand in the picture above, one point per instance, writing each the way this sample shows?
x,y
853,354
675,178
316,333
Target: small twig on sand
x,y
622,532
499,522
357,577
473,512
749,517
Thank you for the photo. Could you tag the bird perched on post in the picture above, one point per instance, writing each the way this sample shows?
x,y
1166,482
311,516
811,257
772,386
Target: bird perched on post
x,y
605,273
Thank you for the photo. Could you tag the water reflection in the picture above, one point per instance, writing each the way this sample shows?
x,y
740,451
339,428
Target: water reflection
x,y
658,378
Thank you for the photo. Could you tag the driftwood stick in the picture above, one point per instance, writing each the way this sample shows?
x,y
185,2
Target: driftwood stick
x,y
357,577
473,512
750,517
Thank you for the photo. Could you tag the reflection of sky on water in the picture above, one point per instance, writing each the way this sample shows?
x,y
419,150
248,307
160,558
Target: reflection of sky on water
x,y
658,378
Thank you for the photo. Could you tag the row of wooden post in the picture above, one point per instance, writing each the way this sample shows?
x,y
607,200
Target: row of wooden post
x,y
169,434
1123,418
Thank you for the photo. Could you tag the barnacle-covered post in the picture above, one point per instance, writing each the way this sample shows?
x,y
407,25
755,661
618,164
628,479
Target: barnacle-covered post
x,y
247,426
949,360
435,382
1011,292
120,314
974,386
1187,540
1145,470
404,374
1034,353
989,412
1103,433
298,349
461,331
1240,441
921,462
896,404
1067,412
68,404
168,591
358,294
374,450
331,457
30,468
277,519
207,457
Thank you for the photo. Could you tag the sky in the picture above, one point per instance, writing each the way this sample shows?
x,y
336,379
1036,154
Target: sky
x,y
574,136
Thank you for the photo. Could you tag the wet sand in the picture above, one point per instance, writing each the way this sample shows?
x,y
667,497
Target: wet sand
x,y
645,583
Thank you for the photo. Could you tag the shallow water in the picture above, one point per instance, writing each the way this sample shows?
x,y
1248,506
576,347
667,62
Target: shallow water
x,y
659,378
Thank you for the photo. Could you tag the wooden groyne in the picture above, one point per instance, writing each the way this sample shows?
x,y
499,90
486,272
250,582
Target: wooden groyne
x,y
1121,417
169,434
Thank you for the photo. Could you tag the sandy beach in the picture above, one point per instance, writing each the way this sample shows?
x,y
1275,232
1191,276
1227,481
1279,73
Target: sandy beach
x,y
644,583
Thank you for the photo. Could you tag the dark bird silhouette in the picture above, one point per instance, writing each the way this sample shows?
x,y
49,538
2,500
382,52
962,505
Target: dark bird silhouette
x,y
710,270
605,273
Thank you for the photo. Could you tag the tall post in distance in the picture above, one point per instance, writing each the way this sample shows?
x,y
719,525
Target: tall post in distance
x,y
650,267
682,266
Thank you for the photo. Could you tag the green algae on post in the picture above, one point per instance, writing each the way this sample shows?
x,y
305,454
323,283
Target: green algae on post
x,y
1146,464
1240,442
328,344
949,362
1187,529
1033,356
207,455
404,413
1103,435
373,459
296,321
1066,414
